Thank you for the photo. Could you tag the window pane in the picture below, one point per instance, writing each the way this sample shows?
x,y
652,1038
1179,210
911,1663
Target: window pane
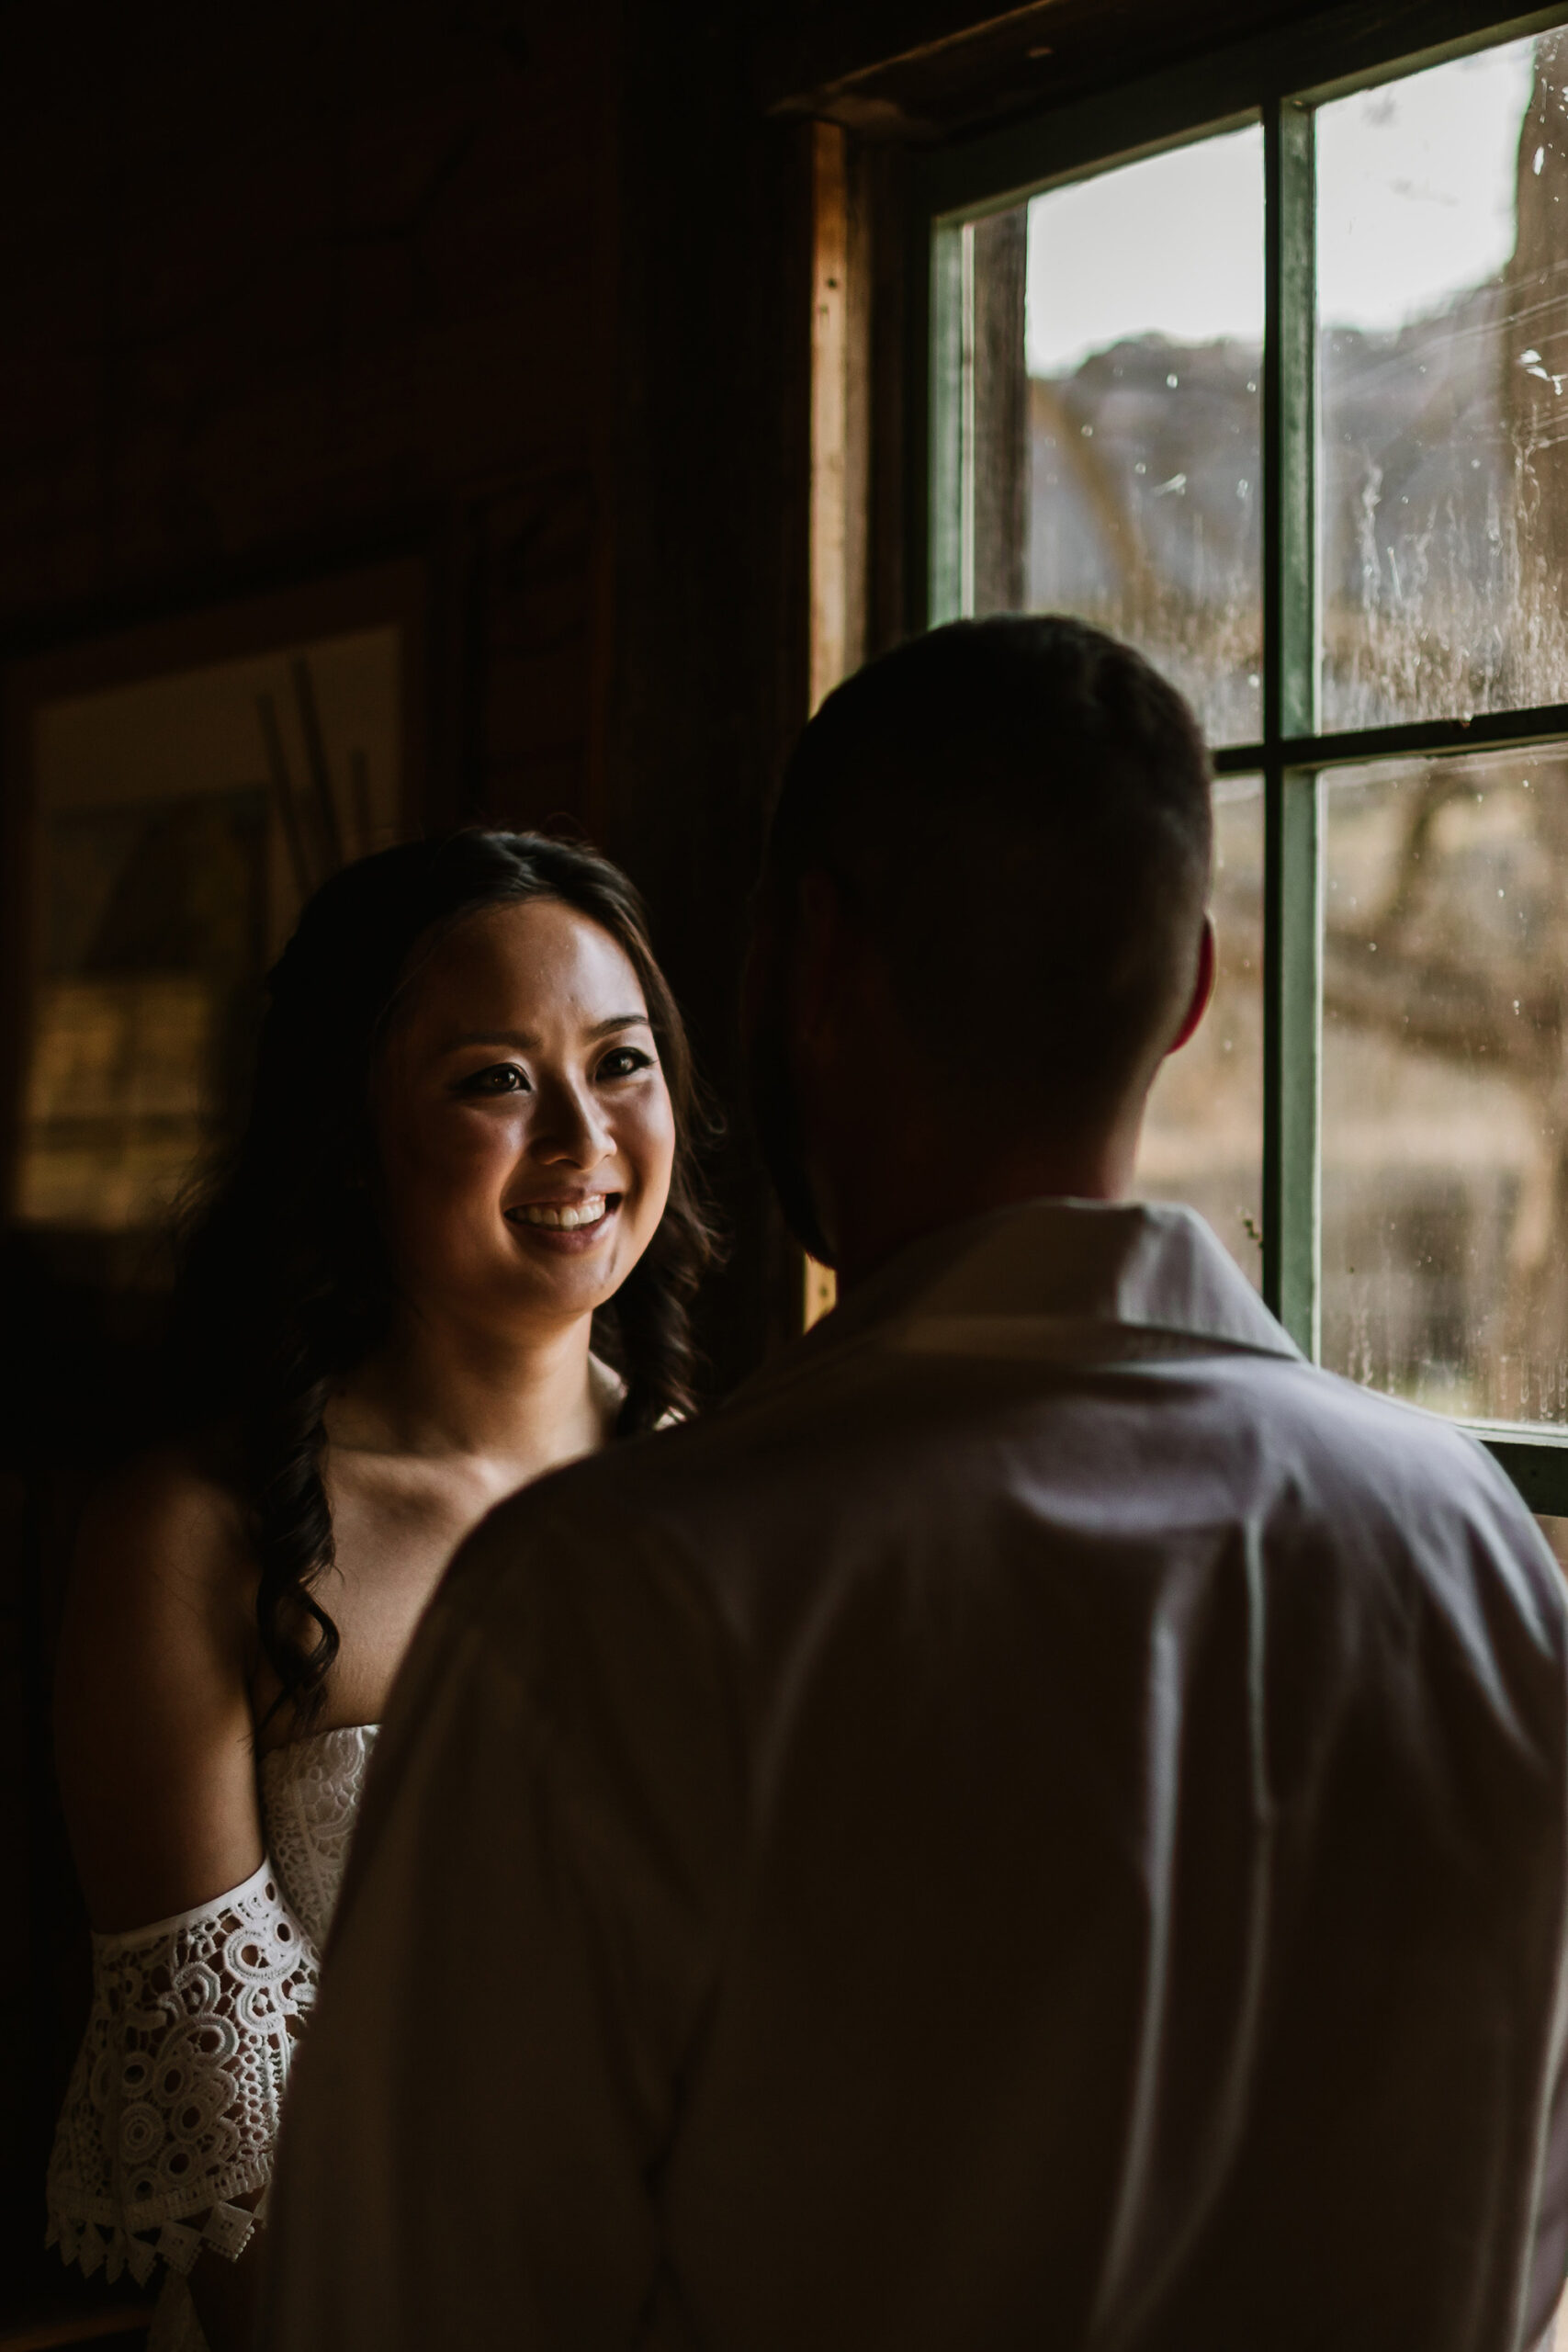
x,y
1442,284
1203,1134
1445,1187
1113,465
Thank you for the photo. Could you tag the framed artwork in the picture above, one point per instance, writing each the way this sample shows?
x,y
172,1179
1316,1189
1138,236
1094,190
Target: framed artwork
x,y
175,798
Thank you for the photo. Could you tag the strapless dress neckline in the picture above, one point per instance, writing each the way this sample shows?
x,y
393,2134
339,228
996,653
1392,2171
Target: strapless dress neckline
x,y
310,1796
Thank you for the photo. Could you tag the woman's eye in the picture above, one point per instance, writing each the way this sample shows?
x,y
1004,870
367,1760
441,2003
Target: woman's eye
x,y
625,1062
500,1078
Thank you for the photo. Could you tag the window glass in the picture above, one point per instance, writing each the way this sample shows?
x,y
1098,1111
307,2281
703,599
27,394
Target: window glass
x,y
1442,295
1203,1133
1116,332
1445,1111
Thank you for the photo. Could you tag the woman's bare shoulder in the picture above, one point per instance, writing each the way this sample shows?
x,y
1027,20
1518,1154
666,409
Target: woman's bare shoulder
x,y
163,1536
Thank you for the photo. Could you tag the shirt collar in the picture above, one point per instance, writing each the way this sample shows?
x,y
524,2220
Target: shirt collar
x,y
1063,1277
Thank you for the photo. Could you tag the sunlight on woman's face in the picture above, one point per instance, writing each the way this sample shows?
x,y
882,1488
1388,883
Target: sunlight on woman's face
x,y
523,1128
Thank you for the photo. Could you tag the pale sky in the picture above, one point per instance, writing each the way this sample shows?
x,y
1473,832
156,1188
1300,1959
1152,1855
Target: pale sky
x,y
1416,202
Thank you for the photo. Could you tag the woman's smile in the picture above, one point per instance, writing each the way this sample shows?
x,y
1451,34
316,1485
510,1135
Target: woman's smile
x,y
567,1226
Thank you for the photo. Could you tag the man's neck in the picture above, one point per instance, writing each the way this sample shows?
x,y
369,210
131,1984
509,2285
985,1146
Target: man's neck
x,y
871,1223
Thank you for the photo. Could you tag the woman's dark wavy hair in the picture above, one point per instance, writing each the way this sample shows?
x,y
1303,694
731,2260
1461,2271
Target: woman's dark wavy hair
x,y
285,1283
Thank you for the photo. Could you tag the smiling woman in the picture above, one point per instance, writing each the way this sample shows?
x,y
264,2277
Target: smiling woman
x,y
452,1250
523,1127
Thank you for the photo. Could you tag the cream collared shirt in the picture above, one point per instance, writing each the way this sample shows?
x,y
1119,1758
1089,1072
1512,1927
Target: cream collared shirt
x,y
1044,1823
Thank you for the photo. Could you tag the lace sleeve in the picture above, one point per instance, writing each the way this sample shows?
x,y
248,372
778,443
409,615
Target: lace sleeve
x,y
175,2099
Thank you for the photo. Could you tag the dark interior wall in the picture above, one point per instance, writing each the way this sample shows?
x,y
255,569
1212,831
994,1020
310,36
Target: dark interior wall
x,y
708,681
287,285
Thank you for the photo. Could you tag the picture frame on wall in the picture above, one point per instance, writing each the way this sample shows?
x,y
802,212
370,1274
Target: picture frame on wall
x,y
174,797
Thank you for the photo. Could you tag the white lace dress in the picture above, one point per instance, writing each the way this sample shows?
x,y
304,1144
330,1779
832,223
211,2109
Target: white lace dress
x,y
174,2104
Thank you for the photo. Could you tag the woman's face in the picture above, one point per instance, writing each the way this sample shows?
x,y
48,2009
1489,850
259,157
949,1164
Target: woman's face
x,y
523,1128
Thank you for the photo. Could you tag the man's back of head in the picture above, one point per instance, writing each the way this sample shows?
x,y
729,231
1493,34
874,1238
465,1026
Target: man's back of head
x,y
1011,818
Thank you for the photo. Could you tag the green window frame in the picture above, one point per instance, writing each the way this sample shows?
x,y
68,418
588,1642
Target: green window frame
x,y
1278,80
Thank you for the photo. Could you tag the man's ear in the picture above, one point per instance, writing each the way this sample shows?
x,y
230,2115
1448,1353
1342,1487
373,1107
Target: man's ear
x,y
1202,987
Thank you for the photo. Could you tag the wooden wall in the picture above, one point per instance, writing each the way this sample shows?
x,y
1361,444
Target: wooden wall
x,y
287,285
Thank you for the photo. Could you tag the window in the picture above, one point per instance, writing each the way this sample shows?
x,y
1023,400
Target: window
x,y
1264,367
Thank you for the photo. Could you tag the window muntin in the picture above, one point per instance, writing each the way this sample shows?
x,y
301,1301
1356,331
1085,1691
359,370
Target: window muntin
x,y
1381,702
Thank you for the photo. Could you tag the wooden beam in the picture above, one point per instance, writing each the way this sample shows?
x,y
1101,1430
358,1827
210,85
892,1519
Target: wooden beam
x,y
841,361
837,628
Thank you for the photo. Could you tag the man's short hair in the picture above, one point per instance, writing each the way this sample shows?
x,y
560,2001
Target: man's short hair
x,y
1020,809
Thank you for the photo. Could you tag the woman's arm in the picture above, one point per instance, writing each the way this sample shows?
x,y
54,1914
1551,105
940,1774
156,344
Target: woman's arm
x,y
154,1740
153,1736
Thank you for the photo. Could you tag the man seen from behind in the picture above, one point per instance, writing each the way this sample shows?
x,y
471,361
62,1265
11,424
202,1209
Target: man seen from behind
x,y
1044,1822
